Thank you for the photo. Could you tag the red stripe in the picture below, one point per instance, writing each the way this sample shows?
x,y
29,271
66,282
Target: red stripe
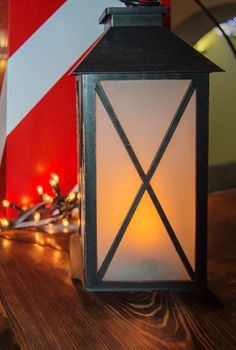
x,y
26,16
44,142
3,176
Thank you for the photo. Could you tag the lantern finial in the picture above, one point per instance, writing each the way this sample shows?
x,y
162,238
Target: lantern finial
x,y
141,2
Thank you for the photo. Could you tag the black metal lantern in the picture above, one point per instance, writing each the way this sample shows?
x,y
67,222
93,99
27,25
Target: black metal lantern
x,y
143,157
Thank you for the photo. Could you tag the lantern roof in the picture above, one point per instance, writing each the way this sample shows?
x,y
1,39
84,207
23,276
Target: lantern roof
x,y
135,41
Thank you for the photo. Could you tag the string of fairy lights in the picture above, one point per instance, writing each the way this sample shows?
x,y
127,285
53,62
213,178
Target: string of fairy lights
x,y
57,213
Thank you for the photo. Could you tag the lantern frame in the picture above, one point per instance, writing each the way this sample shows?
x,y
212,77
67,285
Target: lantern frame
x,y
87,88
126,52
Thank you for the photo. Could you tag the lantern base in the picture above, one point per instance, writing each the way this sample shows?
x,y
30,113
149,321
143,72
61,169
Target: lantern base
x,y
178,286
79,271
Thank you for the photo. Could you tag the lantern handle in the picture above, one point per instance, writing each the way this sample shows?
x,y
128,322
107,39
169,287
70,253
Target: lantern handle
x,y
149,3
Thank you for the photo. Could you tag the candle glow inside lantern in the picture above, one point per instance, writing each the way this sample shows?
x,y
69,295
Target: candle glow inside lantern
x,y
143,144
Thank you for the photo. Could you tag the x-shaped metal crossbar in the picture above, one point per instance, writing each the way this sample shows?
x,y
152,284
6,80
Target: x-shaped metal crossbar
x,y
146,178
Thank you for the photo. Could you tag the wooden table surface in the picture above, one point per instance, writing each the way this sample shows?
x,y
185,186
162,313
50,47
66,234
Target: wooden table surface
x,y
46,311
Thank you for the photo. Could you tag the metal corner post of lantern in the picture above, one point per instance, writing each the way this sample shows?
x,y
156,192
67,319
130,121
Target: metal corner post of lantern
x,y
143,157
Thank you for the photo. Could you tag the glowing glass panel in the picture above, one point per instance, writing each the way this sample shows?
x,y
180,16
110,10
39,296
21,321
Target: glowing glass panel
x,y
174,181
146,252
117,182
145,110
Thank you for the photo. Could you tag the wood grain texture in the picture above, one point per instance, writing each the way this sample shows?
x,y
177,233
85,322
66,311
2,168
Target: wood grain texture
x,y
7,338
47,311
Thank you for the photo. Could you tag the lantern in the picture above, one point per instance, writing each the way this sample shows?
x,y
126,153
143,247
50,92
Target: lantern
x,y
143,157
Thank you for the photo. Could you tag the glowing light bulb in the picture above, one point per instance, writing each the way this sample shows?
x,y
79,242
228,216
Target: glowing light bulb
x,y
55,177
40,190
37,216
4,222
75,213
78,195
5,203
71,196
52,182
47,198
65,222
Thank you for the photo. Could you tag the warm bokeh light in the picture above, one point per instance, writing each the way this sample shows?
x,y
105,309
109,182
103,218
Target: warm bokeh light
x,y
50,231
48,241
25,201
4,222
66,230
71,196
37,237
5,203
42,214
3,40
40,190
3,65
52,182
57,255
37,216
75,213
55,178
6,243
47,199
65,222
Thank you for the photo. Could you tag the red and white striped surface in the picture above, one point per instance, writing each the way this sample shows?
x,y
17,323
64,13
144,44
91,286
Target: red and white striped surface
x,y
38,105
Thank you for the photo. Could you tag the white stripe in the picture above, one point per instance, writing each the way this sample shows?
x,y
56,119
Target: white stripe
x,y
49,53
3,115
75,188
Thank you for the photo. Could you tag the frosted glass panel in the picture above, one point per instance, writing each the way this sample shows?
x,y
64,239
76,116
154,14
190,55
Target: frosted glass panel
x,y
174,181
146,252
145,110
117,182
